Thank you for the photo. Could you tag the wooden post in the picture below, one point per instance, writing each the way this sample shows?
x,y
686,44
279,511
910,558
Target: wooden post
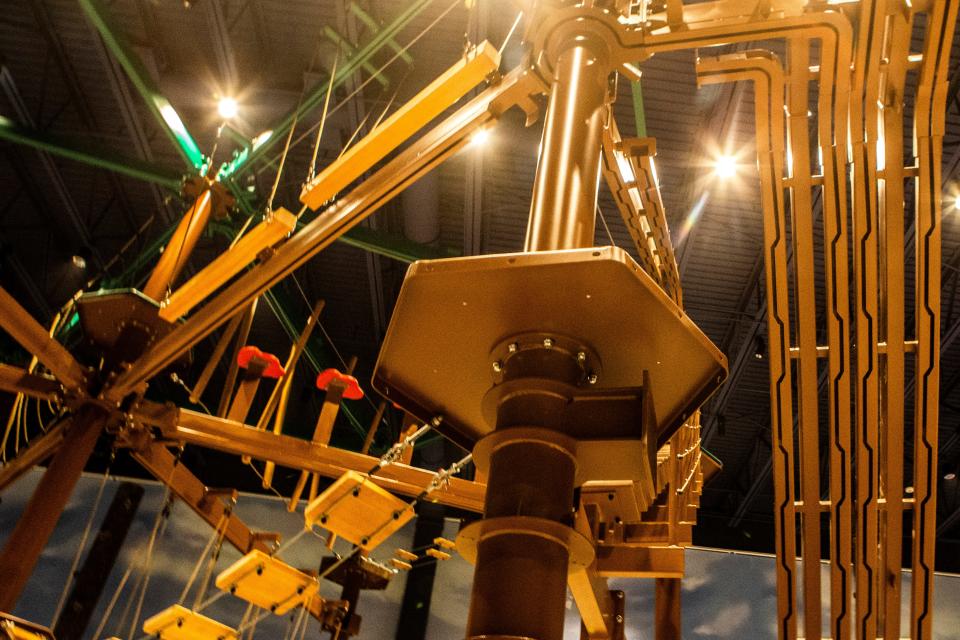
x,y
667,604
42,512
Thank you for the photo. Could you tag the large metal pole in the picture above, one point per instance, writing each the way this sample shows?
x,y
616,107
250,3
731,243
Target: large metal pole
x,y
520,581
43,510
563,210
181,245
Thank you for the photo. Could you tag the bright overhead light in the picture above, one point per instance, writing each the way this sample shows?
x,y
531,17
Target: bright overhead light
x,y
480,138
725,166
227,108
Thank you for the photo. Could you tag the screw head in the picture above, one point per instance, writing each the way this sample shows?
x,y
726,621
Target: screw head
x,y
581,356
497,366
512,347
592,378
548,342
619,619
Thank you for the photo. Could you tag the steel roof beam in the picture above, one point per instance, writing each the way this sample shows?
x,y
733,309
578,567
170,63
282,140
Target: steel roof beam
x,y
49,144
159,106
316,97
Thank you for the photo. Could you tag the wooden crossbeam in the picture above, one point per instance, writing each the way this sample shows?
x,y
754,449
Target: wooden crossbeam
x,y
183,425
158,460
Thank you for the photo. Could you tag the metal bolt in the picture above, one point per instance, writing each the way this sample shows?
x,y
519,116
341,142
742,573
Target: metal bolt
x,y
512,347
581,356
497,366
548,342
592,378
619,619
619,595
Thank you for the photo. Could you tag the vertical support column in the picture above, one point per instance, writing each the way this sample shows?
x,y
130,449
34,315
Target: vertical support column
x,y
801,216
415,607
520,582
890,199
563,210
667,609
43,510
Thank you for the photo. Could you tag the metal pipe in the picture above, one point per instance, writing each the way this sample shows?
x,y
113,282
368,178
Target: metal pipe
x,y
563,210
174,257
520,583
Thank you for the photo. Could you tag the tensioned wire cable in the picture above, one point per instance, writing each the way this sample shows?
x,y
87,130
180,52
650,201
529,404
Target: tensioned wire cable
x,y
377,72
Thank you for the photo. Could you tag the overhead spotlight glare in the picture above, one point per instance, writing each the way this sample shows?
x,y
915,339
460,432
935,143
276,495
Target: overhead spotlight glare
x,y
227,108
79,262
725,166
480,138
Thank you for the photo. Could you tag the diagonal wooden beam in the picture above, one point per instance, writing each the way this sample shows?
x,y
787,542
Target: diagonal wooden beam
x,y
36,340
156,459
39,450
17,380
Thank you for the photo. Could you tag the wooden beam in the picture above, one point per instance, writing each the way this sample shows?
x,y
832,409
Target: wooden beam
x,y
17,380
39,450
640,562
182,425
167,469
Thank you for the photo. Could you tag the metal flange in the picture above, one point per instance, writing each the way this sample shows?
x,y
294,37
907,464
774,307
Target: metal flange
x,y
580,548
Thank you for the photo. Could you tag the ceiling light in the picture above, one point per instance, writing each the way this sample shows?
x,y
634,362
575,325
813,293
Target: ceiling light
x,y
725,166
227,108
480,138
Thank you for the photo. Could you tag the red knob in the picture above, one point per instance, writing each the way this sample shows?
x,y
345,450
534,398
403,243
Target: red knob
x,y
251,355
353,390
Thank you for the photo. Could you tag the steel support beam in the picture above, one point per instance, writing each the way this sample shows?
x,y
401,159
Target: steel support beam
x,y
16,380
37,341
81,152
39,450
167,469
99,562
159,106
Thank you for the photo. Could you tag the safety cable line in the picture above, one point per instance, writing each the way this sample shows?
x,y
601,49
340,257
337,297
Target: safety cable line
x,y
80,546
376,73
323,117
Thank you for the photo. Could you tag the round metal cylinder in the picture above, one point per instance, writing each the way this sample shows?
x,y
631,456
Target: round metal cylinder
x,y
520,581
519,588
563,209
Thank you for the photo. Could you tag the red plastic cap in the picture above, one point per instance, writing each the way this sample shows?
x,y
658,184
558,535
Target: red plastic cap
x,y
353,390
250,352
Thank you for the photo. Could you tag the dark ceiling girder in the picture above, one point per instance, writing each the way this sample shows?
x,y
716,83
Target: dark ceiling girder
x,y
79,100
